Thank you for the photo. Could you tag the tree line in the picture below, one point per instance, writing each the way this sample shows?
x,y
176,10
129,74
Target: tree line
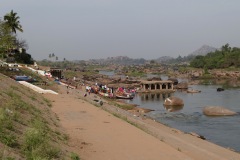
x,y
224,58
11,48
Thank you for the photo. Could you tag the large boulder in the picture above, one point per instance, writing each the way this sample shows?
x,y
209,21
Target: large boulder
x,y
174,80
217,111
173,101
182,85
154,79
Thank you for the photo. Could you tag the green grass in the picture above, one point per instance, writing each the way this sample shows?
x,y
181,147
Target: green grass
x,y
8,139
136,74
36,140
9,158
14,88
33,98
6,128
74,156
48,102
122,106
125,106
207,76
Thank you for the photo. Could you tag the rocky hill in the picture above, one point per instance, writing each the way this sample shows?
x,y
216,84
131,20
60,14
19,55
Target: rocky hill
x,y
164,59
121,60
205,49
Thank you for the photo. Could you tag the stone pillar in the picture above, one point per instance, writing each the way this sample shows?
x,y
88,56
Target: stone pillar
x,y
155,86
166,86
160,86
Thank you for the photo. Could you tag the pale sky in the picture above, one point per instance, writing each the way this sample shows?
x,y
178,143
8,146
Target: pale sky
x,y
92,29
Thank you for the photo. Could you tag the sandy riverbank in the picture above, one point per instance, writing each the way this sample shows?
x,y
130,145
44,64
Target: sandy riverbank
x,y
98,133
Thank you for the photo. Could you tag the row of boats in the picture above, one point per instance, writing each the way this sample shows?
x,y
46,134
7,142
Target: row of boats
x,y
119,94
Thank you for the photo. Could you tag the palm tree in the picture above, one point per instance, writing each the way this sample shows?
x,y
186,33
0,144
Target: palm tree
x,y
50,56
12,21
7,39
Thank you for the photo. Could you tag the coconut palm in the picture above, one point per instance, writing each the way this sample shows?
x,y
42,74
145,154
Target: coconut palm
x,y
6,38
12,21
50,56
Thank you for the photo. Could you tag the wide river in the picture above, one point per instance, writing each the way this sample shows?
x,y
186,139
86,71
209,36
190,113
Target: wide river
x,y
224,131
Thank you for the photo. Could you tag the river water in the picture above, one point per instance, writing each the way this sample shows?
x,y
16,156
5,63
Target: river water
x,y
224,131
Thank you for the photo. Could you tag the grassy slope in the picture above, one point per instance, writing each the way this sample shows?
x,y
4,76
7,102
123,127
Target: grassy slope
x,y
28,128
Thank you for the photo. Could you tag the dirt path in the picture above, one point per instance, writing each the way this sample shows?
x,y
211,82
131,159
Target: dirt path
x,y
97,134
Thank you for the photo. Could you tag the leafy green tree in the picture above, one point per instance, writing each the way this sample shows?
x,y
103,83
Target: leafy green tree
x,y
226,57
152,62
23,58
12,21
198,62
226,48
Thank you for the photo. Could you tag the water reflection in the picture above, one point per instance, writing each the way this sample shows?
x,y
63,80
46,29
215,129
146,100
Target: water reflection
x,y
173,108
154,96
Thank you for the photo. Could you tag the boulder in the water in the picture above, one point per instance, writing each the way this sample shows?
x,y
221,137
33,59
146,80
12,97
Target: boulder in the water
x,y
173,101
220,89
182,85
174,80
217,111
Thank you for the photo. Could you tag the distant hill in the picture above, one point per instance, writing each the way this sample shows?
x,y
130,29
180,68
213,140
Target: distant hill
x,y
122,60
164,59
205,49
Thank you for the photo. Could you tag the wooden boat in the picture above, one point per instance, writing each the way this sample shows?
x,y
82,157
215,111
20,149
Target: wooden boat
x,y
193,91
24,78
124,97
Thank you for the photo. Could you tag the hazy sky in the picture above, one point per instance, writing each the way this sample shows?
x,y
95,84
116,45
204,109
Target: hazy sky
x,y
89,29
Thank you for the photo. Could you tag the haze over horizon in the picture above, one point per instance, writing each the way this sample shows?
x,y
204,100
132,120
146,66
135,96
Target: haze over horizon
x,y
92,29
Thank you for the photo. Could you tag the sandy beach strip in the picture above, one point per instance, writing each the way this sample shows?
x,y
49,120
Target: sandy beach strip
x,y
99,133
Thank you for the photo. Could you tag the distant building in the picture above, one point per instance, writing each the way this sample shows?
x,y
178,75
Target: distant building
x,y
56,72
157,86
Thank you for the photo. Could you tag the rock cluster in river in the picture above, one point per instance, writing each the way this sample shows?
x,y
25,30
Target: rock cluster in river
x,y
217,111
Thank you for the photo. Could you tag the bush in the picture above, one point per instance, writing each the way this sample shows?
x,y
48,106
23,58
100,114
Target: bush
x,y
74,156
